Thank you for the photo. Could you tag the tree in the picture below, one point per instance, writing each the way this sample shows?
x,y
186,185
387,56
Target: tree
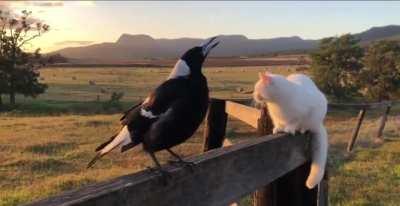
x,y
381,73
3,81
336,65
19,70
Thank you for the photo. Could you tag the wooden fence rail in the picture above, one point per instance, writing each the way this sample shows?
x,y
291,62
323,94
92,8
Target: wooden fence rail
x,y
219,177
275,165
363,107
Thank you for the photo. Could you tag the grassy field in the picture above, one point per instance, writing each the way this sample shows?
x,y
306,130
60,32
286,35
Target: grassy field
x,y
46,143
78,90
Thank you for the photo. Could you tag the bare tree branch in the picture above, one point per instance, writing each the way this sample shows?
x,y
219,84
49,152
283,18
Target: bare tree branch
x,y
29,39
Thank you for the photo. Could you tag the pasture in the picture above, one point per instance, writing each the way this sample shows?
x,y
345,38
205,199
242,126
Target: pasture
x,y
46,143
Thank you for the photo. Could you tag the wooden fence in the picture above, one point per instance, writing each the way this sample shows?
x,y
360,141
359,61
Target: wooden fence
x,y
272,167
363,109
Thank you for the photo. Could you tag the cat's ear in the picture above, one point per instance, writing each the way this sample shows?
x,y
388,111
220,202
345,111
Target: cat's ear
x,y
264,77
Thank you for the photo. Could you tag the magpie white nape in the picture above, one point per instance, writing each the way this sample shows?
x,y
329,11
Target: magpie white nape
x,y
180,69
170,114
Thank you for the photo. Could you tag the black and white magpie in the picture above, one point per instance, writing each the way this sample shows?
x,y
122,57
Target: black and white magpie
x,y
170,114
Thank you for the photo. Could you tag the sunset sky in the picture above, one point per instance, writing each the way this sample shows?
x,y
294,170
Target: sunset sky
x,y
77,23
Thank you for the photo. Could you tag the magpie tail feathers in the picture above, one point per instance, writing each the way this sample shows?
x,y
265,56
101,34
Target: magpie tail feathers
x,y
123,137
94,160
106,143
128,146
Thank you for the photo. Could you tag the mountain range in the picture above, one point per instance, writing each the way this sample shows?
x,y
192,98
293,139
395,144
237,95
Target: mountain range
x,y
141,46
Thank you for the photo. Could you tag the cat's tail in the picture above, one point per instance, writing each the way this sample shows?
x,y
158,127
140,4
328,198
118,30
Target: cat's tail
x,y
319,148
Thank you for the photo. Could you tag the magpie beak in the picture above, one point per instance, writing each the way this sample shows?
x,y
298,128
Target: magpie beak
x,y
208,45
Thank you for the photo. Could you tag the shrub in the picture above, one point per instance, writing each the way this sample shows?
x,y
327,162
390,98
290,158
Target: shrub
x,y
380,76
336,64
114,103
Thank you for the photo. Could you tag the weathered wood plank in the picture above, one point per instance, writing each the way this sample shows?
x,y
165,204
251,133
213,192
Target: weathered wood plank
x,y
215,125
266,195
356,130
249,115
323,189
236,170
292,185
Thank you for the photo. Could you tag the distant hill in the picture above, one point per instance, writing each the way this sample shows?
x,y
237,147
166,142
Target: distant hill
x,y
379,33
141,46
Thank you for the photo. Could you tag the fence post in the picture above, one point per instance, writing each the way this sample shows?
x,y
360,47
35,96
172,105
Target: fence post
x,y
379,136
323,189
215,125
289,189
355,132
265,196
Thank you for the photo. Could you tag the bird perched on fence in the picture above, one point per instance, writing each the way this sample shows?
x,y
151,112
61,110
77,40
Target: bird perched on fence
x,y
170,114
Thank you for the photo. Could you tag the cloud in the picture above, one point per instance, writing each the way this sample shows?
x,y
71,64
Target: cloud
x,y
73,43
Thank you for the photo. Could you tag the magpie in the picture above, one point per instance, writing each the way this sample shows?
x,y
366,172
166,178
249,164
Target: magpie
x,y
170,114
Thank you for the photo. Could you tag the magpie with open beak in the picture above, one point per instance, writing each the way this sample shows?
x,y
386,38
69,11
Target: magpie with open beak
x,y
170,114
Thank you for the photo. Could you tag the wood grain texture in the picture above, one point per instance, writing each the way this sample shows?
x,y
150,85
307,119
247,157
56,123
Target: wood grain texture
x,y
220,176
215,125
323,189
266,195
248,115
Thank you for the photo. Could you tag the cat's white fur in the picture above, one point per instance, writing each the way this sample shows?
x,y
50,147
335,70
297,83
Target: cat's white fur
x,y
296,104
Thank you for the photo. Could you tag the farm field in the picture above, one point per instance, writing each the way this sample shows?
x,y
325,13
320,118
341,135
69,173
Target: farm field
x,y
46,143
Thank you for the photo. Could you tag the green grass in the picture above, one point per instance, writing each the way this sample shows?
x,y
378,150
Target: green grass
x,y
45,143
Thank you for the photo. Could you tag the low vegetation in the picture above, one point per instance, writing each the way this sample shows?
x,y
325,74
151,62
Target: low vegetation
x,y
345,70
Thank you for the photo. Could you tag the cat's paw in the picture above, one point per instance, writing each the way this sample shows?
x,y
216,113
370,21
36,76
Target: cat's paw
x,y
277,130
290,129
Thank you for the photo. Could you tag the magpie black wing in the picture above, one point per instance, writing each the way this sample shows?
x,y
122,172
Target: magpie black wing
x,y
140,117
158,101
129,110
161,99
129,114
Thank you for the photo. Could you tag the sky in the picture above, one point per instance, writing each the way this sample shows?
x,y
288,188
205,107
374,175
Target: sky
x,y
79,23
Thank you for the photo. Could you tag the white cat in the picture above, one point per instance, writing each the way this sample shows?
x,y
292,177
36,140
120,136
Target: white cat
x,y
296,104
